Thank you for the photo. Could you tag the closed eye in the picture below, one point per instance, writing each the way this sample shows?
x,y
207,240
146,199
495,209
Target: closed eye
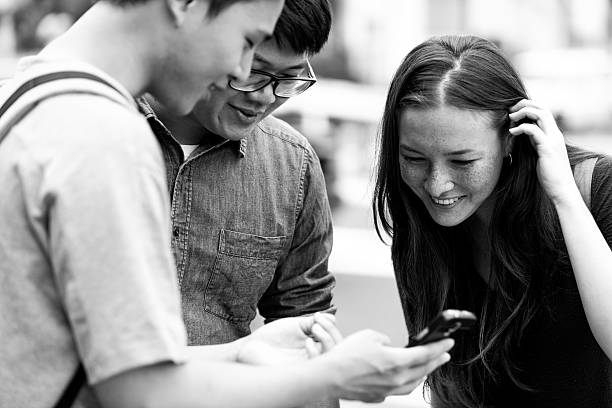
x,y
462,162
414,159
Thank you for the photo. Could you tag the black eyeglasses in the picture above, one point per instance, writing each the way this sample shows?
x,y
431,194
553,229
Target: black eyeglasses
x,y
282,86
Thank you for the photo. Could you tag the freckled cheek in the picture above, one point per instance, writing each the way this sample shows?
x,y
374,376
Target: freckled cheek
x,y
411,175
481,179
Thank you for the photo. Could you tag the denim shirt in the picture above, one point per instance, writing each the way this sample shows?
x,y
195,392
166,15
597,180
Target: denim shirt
x,y
251,229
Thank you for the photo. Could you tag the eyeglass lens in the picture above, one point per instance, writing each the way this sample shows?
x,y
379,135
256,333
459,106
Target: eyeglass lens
x,y
285,87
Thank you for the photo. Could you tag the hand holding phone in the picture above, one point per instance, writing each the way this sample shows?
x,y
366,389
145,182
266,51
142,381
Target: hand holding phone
x,y
446,323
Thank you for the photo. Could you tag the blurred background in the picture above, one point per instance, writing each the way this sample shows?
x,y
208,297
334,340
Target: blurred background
x,y
562,48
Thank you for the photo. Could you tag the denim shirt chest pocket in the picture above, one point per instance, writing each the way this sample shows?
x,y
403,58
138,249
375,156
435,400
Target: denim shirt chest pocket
x,y
243,269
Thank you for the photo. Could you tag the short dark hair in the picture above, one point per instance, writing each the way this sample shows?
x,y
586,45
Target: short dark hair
x,y
215,6
304,25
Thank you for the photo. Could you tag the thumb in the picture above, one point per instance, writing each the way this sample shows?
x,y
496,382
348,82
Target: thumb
x,y
312,349
306,323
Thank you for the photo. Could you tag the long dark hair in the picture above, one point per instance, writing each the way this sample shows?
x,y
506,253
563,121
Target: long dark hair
x,y
433,263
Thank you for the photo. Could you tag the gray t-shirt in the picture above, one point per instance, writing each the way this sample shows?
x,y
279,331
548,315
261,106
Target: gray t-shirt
x,y
85,262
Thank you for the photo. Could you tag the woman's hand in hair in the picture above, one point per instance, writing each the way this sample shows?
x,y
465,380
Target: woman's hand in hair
x,y
553,169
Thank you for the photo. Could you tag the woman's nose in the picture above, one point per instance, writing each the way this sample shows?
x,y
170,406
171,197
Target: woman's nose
x,y
438,182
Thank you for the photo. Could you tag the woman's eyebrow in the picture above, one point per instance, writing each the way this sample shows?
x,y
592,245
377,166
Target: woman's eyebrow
x,y
407,148
459,152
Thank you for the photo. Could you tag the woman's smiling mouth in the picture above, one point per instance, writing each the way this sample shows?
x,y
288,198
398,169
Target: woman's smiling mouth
x,y
446,202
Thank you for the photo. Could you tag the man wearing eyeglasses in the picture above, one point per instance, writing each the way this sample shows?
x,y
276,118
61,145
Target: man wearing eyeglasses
x,y
251,223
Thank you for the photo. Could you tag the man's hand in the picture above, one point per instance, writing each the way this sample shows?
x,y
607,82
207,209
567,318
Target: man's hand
x,y
290,339
367,369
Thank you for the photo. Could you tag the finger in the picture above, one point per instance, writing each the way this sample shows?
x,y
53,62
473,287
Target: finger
x,y
413,374
306,323
312,349
426,369
527,113
524,103
325,315
534,132
328,322
544,118
432,365
408,387
323,337
421,355
519,105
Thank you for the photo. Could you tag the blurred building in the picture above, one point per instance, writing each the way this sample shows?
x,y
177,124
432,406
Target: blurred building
x,y
375,36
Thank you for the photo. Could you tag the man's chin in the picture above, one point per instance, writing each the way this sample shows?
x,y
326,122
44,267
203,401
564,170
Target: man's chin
x,y
237,133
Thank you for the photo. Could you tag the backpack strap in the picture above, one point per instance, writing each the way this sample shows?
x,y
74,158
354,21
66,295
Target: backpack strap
x,y
583,174
36,81
72,389
79,378
53,76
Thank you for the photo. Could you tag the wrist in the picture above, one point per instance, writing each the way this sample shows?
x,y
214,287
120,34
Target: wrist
x,y
568,197
318,378
227,352
568,204
329,372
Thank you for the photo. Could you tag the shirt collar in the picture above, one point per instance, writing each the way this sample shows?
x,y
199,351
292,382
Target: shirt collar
x,y
146,108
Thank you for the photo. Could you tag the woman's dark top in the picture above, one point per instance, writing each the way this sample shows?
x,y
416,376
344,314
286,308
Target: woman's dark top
x,y
558,353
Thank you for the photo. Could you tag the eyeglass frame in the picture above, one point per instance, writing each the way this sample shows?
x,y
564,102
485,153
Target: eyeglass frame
x,y
275,80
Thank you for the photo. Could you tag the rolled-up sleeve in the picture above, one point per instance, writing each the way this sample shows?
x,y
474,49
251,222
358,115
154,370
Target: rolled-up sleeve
x,y
302,283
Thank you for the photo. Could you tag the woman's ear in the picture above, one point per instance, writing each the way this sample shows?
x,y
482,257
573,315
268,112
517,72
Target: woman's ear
x,y
509,145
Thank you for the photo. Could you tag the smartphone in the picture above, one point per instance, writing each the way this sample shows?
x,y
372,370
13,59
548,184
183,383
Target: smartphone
x,y
444,325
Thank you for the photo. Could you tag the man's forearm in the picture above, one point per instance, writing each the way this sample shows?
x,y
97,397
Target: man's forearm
x,y
216,352
204,384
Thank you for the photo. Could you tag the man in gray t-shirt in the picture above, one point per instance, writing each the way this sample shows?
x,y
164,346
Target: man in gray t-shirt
x,y
81,249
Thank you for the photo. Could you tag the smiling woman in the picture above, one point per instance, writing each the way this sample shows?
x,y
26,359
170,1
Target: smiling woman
x,y
475,187
451,159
